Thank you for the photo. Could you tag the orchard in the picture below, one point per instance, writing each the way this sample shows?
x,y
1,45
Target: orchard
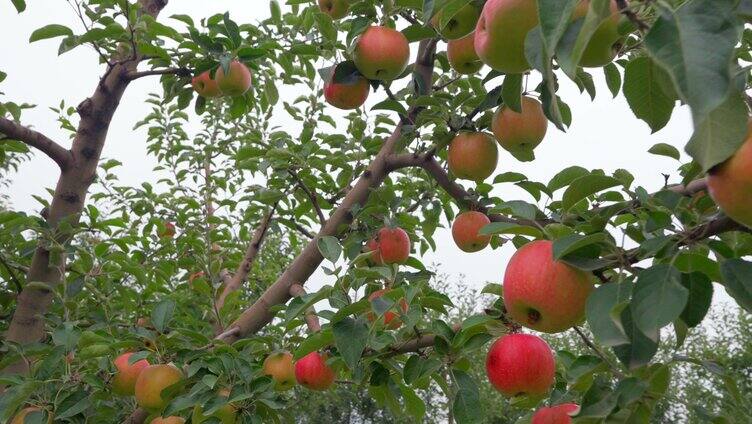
x,y
338,138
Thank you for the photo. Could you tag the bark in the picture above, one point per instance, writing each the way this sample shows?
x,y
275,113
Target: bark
x,y
96,112
35,139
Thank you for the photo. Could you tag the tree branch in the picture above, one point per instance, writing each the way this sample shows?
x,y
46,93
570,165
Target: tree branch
x,y
41,142
631,15
181,72
311,319
311,195
598,352
12,274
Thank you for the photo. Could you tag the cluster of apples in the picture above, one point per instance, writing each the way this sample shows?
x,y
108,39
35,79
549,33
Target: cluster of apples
x,y
235,82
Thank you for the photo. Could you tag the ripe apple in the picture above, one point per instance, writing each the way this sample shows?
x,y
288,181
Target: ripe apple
x,y
600,50
205,86
127,374
391,320
381,53
501,31
169,230
391,246
168,420
557,414
347,95
337,9
472,156
152,381
520,132
20,418
280,368
730,183
521,364
462,56
236,82
312,372
142,322
226,414
465,230
544,294
459,25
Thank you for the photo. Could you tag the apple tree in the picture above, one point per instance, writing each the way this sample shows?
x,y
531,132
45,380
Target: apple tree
x,y
338,136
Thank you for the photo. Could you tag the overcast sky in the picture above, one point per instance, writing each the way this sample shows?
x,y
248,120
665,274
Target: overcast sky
x,y
604,134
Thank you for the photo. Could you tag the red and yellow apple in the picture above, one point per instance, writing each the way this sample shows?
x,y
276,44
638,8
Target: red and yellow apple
x,y
226,414
501,31
381,53
169,230
391,319
237,80
730,183
462,56
465,230
280,368
472,156
150,383
312,372
517,132
205,86
337,9
544,294
391,246
459,25
347,95
168,420
601,49
126,375
557,414
521,365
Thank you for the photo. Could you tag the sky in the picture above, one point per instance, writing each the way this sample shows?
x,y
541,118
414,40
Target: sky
x,y
604,135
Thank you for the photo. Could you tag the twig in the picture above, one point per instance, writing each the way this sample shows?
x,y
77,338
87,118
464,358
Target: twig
x,y
598,352
181,72
440,87
631,15
311,195
56,152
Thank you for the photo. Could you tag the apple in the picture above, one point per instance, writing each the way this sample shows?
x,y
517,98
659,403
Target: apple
x,y
501,31
226,414
730,183
168,420
152,381
142,322
391,246
521,365
336,9
602,47
169,230
347,95
236,82
557,414
544,294
465,230
20,418
127,374
205,86
472,156
459,25
391,320
462,56
381,53
312,372
280,368
520,132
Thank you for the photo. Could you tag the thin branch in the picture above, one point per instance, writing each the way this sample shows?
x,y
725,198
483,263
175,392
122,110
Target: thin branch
x,y
303,230
311,195
598,352
181,72
440,87
56,152
631,15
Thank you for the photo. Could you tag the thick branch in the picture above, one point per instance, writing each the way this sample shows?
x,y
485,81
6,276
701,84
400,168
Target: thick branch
x,y
56,152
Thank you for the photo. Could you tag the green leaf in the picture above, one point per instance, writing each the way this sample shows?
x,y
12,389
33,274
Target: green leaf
x,y
510,228
350,337
329,247
418,32
20,5
390,104
566,176
700,296
663,149
720,134
568,244
640,348
604,324
414,405
50,31
585,186
554,17
314,342
737,278
466,405
613,78
511,92
658,299
643,89
162,314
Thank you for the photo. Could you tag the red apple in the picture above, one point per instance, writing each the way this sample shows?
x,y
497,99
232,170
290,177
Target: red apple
x,y
465,230
280,368
381,53
337,9
519,132
472,156
501,31
459,25
391,320
602,47
312,372
462,56
127,374
169,230
347,95
168,420
152,381
205,86
236,82
557,414
544,294
391,246
521,365
730,183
